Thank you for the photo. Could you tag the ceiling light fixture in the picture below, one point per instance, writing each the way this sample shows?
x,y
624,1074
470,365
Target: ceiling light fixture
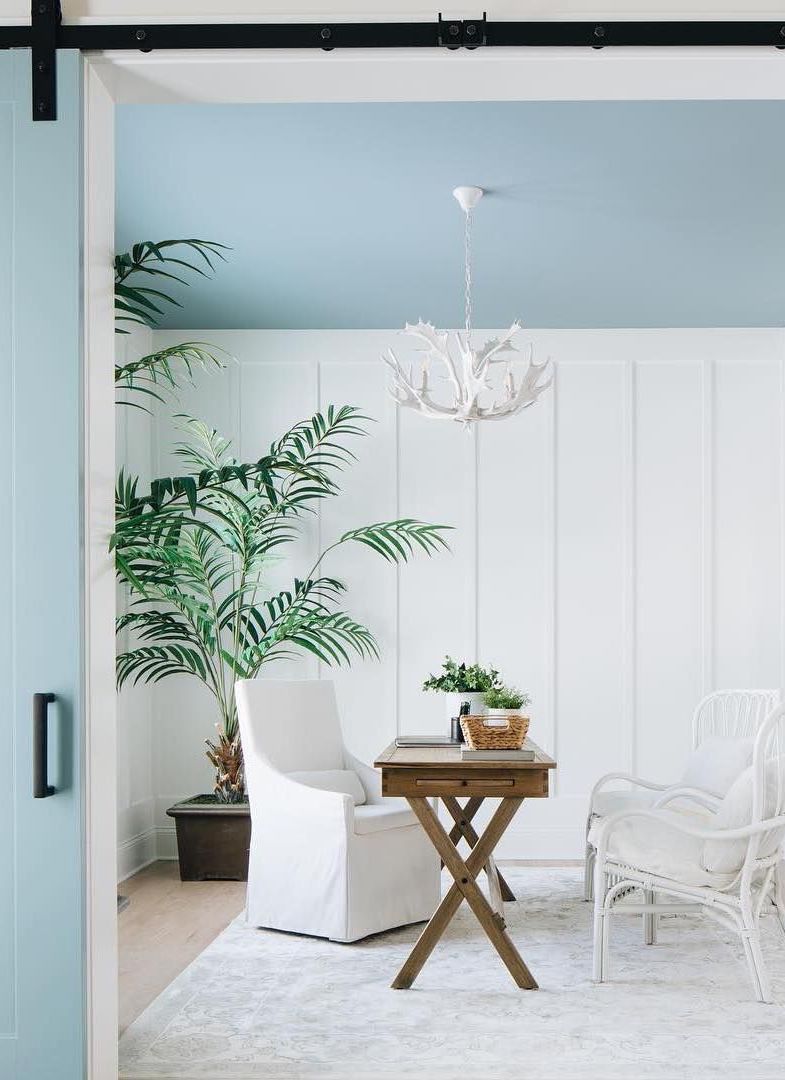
x,y
468,370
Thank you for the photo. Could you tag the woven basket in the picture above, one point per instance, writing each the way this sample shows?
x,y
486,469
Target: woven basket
x,y
481,735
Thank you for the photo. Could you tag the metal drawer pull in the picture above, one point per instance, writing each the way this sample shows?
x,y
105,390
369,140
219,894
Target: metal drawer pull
x,y
449,784
42,789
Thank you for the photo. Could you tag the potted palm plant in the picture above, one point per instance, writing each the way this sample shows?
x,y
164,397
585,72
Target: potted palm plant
x,y
192,552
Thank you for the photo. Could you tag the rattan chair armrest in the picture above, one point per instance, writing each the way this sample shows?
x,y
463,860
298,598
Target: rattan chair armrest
x,y
703,798
637,780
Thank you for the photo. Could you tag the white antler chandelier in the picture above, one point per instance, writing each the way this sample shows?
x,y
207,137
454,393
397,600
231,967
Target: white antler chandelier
x,y
468,370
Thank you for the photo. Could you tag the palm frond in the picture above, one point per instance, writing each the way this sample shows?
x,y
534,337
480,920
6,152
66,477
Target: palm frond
x,y
152,663
163,373
398,540
206,448
143,304
333,638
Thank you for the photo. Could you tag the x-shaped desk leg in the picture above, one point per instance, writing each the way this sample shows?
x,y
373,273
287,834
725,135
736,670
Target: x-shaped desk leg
x,y
462,816
465,887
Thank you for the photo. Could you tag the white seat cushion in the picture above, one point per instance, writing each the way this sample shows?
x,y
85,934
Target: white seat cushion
x,y
716,763
656,848
344,780
391,814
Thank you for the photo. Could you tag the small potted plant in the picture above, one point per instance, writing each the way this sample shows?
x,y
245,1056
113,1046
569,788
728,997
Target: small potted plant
x,y
463,682
502,701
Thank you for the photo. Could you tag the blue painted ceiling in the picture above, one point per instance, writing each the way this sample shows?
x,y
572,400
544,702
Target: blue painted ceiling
x,y
605,214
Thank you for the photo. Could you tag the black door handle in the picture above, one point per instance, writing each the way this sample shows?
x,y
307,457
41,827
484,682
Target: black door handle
x,y
41,786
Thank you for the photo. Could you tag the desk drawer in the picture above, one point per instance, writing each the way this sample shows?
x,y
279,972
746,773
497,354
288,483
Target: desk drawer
x,y
528,783
477,786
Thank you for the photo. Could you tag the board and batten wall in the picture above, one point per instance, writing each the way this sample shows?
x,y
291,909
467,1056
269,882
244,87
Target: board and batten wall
x,y
617,551
137,833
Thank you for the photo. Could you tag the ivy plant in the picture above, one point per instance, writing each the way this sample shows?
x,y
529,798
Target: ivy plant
x,y
462,678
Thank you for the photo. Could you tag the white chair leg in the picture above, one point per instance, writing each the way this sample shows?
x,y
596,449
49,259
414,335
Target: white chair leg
x,y
757,966
600,953
750,936
649,919
779,893
588,874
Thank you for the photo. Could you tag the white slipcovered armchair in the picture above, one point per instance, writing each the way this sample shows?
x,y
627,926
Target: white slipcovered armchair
x,y
329,856
723,865
714,764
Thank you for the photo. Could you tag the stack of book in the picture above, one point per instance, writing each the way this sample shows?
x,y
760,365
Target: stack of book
x,y
524,754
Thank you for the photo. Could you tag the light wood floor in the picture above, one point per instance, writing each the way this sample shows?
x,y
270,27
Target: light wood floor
x,y
169,922
166,925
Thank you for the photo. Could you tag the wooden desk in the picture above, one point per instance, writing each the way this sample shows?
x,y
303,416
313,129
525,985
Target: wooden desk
x,y
420,773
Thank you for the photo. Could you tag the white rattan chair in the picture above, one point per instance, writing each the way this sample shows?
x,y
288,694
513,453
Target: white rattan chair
x,y
723,713
724,866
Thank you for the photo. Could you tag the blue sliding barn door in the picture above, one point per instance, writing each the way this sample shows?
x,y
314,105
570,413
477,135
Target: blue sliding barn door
x,y
42,980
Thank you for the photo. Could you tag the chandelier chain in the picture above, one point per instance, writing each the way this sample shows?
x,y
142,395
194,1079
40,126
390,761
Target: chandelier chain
x,y
467,278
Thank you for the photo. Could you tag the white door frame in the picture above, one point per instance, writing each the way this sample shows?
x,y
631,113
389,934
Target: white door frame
x,y
223,77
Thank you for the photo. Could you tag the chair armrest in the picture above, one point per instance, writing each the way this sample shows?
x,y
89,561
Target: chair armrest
x,y
299,802
370,778
637,780
703,798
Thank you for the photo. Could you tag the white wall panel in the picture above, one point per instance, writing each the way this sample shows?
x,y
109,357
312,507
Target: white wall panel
x,y
617,548
367,692
668,476
135,779
275,393
747,508
436,482
590,572
515,566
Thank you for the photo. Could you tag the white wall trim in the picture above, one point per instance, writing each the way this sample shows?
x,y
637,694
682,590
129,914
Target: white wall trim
x,y
100,768
90,12
541,842
744,74
782,515
628,659
136,853
437,75
166,843
550,577
707,525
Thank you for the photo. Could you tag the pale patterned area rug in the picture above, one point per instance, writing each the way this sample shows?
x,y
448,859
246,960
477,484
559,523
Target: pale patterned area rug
x,y
259,1005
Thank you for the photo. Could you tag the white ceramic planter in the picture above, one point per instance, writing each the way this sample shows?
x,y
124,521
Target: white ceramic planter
x,y
453,702
501,714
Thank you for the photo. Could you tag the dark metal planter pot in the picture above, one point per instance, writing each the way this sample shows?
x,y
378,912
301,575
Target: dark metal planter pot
x,y
213,839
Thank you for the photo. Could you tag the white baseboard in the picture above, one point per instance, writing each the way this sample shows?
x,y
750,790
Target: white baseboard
x,y
166,842
136,853
528,837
